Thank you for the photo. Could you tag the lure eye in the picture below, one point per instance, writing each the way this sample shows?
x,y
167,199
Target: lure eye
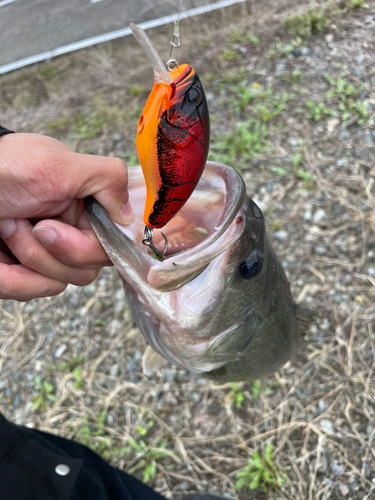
x,y
193,96
252,266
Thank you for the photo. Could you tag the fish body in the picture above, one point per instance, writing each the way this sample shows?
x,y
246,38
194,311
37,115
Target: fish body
x,y
220,301
173,137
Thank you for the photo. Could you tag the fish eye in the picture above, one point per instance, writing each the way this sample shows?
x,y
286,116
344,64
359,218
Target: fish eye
x,y
193,96
252,266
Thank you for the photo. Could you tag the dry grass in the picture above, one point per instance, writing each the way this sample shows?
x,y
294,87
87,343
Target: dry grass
x,y
318,411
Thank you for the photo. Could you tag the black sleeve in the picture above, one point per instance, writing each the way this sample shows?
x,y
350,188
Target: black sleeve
x,y
4,131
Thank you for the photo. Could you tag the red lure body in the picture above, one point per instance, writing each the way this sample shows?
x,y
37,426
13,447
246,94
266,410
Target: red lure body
x,y
172,142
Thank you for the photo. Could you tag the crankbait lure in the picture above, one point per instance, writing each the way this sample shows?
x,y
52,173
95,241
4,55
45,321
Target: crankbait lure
x,y
172,137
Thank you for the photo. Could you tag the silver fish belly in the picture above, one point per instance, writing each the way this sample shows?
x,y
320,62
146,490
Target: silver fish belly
x,y
220,302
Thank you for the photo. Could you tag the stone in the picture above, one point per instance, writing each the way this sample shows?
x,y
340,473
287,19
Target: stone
x,y
114,370
281,235
344,490
369,429
326,425
60,351
319,215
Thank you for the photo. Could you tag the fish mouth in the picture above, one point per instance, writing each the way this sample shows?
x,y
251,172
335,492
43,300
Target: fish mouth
x,y
211,222
196,235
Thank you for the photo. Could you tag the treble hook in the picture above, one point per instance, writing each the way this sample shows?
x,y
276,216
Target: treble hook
x,y
148,242
175,44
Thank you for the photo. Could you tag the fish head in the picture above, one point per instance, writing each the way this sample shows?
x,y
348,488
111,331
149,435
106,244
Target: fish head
x,y
216,285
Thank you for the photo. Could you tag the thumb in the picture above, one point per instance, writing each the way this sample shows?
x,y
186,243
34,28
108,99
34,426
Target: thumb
x,y
106,179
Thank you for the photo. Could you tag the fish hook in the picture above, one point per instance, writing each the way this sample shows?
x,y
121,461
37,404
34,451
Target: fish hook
x,y
175,44
148,242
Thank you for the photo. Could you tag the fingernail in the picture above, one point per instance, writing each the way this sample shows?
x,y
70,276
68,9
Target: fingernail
x,y
127,214
7,227
45,235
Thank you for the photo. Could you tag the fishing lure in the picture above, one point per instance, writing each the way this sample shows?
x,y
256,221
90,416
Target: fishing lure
x,y
172,137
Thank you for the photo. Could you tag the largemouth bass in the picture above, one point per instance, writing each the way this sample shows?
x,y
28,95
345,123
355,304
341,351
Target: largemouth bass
x,y
220,301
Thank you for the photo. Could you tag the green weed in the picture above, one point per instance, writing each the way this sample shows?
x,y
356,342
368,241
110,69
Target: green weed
x,y
229,55
137,90
48,72
148,455
247,140
293,77
243,96
45,394
236,394
255,388
276,106
280,49
312,21
317,111
261,472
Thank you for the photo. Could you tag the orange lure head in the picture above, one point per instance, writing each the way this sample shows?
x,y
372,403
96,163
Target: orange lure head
x,y
172,140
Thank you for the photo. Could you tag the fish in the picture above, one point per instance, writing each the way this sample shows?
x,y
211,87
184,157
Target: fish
x,y
220,303
173,136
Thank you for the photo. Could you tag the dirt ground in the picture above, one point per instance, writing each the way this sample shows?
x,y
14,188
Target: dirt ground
x,y
291,96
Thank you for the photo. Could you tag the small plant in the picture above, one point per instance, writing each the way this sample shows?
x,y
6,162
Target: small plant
x,y
293,77
261,472
310,22
243,96
229,55
319,110
255,389
148,457
246,141
77,374
45,394
236,394
137,90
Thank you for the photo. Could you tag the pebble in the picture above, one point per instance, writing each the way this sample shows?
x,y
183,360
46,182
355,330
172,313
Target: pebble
x,y
337,469
117,137
17,400
373,480
370,138
195,397
210,96
322,406
305,51
307,216
344,490
60,351
344,135
184,486
170,399
169,375
326,425
114,370
281,235
353,485
319,250
369,429
322,466
318,215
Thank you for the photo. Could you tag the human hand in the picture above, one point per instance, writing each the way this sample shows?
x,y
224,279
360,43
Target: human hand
x,y
41,178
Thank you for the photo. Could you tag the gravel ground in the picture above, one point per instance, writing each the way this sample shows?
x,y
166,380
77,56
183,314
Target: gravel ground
x,y
300,106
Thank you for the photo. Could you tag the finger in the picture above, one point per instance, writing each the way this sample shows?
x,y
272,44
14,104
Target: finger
x,y
73,247
107,180
19,283
31,254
